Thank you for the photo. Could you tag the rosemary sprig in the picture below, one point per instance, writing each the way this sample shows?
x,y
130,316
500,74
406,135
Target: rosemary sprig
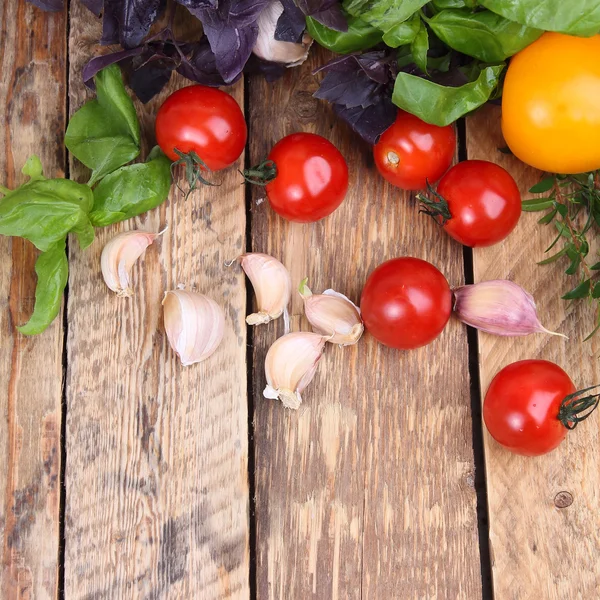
x,y
572,203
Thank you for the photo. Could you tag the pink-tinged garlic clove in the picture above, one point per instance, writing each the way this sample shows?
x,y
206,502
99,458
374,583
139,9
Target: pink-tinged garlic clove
x,y
500,307
195,325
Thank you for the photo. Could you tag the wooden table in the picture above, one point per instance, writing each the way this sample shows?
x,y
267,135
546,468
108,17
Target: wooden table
x,y
124,475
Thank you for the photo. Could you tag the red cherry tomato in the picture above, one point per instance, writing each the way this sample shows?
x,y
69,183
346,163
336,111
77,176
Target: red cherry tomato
x,y
521,407
204,120
406,303
312,177
411,152
478,203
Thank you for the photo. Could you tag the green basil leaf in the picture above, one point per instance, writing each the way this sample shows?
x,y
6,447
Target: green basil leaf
x,y
441,4
360,36
576,17
544,185
44,211
104,133
132,190
403,33
33,168
420,46
52,269
483,35
383,14
442,105
581,291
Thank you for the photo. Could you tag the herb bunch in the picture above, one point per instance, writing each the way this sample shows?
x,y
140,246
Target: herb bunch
x,y
573,205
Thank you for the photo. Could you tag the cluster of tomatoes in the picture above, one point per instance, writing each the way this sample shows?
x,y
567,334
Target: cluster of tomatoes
x,y
406,302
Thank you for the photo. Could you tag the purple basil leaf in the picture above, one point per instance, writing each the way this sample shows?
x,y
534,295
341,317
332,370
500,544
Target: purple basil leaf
x,y
369,122
231,30
151,78
326,12
128,21
291,23
99,62
49,5
271,71
355,80
201,65
94,5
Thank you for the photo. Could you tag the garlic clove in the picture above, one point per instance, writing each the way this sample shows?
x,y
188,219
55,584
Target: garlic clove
x,y
272,285
118,257
195,325
500,307
332,314
268,48
290,365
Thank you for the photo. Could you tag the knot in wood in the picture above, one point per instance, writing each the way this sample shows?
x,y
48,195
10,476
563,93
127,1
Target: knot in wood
x,y
563,499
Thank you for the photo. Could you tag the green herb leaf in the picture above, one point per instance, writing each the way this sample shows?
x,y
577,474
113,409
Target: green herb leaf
x,y
536,204
442,105
44,211
132,190
104,133
403,33
563,230
548,218
483,35
595,267
596,291
52,269
360,35
441,4
581,291
420,46
576,17
383,14
544,185
554,257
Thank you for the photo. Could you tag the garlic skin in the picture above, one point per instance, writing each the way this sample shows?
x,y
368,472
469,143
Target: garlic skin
x,y
268,48
500,307
118,257
332,314
272,285
290,365
194,323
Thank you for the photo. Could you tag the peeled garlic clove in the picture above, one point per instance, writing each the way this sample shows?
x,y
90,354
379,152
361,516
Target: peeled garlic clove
x,y
194,323
332,314
290,365
272,285
268,48
119,256
500,307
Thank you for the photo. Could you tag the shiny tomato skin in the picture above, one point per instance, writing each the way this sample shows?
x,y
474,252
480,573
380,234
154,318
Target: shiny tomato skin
x,y
406,303
411,152
521,406
484,201
204,120
551,104
312,178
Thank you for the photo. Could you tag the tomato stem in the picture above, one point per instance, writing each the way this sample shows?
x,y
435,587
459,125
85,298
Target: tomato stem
x,y
194,166
261,174
573,409
437,208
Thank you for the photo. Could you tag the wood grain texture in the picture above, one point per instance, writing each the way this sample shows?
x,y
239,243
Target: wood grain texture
x,y
539,550
156,474
33,109
367,491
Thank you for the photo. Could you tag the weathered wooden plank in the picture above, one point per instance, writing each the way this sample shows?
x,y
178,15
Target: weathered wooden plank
x,y
366,491
156,475
33,109
539,549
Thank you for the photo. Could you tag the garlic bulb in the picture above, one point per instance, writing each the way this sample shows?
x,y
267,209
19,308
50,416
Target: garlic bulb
x,y
119,256
500,307
268,48
194,324
332,314
290,365
272,285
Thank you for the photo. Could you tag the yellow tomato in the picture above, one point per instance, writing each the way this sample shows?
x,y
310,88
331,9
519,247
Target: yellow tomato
x,y
551,104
